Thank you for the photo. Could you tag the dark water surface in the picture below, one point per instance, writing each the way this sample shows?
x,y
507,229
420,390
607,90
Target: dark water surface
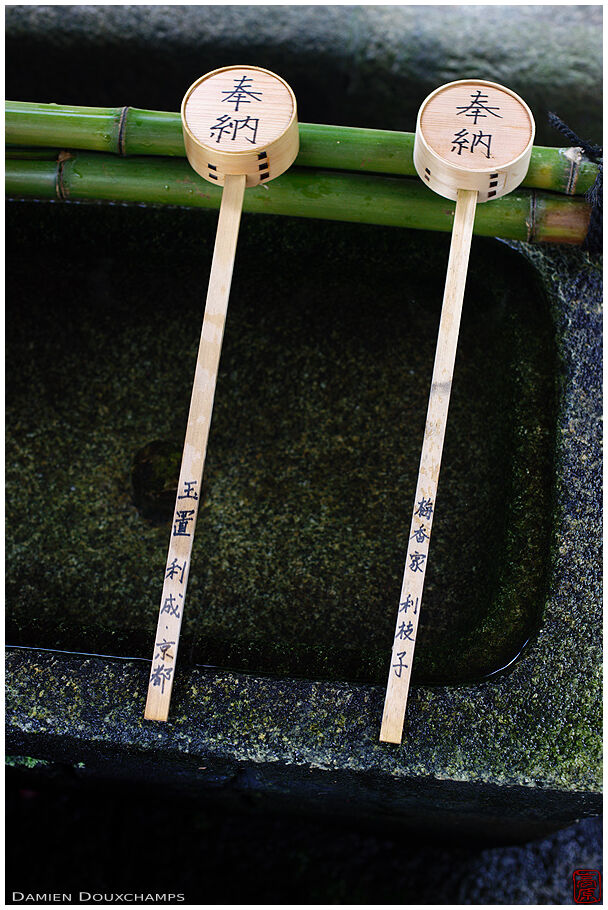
x,y
314,447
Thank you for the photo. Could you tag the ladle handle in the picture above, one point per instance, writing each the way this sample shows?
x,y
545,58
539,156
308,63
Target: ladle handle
x,y
428,474
189,491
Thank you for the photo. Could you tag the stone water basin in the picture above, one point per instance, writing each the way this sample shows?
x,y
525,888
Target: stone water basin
x,y
307,496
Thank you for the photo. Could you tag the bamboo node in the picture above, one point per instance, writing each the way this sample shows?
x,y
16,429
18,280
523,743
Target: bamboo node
x,y
531,219
574,156
122,131
60,188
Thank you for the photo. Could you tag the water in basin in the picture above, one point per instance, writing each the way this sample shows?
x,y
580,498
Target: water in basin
x,y
313,453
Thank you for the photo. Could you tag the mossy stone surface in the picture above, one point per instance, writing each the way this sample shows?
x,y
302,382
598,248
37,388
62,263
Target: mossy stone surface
x,y
519,746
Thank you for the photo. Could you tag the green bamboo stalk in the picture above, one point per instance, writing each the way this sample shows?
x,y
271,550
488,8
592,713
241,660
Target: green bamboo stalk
x,y
40,153
307,193
131,131
31,178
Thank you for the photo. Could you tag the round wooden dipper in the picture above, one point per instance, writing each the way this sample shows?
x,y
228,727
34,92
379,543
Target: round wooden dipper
x,y
473,143
240,120
240,129
473,135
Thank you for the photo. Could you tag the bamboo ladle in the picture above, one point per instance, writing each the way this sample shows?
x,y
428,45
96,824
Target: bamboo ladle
x,y
473,144
240,129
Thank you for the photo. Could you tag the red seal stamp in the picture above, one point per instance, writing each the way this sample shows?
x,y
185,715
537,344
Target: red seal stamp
x,y
587,886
